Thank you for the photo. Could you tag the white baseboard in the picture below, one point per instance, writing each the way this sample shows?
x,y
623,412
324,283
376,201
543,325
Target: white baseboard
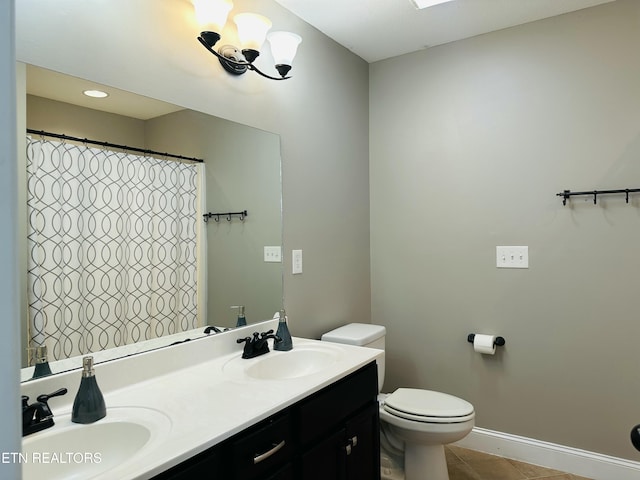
x,y
550,455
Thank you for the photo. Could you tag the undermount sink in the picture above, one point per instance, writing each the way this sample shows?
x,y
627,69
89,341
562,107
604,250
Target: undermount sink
x,y
73,451
303,360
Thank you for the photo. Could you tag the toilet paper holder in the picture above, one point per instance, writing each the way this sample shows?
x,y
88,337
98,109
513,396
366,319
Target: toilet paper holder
x,y
499,342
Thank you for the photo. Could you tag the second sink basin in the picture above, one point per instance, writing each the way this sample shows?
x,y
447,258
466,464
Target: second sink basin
x,y
303,360
73,451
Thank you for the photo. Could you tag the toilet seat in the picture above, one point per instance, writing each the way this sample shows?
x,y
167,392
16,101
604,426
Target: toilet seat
x,y
427,406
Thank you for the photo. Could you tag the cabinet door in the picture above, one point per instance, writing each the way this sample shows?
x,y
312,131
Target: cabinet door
x,y
326,460
363,438
322,413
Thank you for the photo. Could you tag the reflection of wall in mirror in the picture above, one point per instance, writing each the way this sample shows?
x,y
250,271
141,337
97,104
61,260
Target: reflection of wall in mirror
x,y
243,171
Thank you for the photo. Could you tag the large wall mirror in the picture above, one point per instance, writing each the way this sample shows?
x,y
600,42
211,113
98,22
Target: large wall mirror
x,y
242,172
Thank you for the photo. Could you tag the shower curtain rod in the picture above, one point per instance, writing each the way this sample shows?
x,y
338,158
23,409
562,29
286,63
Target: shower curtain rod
x,y
112,145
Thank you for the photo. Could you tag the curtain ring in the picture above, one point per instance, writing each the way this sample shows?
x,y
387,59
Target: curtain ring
x,y
217,218
228,217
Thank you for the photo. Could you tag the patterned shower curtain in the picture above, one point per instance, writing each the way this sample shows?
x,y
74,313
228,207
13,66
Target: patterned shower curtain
x,y
112,247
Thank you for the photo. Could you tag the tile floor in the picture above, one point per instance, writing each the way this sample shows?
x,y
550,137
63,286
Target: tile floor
x,y
467,464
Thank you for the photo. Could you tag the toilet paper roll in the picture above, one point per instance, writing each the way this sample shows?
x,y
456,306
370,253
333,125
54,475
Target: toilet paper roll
x,y
485,344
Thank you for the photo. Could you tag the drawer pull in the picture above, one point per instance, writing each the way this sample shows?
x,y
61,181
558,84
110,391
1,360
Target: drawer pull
x,y
263,456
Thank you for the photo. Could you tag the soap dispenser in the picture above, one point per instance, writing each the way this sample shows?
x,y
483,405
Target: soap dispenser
x,y
285,343
242,321
42,368
88,406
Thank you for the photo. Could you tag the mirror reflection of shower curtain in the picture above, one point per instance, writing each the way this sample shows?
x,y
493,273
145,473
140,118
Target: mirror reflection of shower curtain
x,y
112,247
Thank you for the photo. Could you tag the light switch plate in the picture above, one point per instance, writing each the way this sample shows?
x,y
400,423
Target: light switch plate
x,y
296,261
273,254
512,257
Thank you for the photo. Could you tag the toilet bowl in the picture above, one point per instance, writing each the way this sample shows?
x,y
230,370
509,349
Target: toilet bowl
x,y
425,421
422,421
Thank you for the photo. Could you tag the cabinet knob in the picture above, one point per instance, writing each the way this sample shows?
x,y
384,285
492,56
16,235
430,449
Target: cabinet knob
x,y
352,442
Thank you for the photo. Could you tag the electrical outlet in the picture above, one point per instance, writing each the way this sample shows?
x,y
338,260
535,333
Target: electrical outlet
x,y
512,257
296,261
273,254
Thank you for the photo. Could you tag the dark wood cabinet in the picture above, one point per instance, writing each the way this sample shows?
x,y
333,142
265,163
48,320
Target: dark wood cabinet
x,y
348,453
208,464
339,429
262,450
325,460
332,434
363,436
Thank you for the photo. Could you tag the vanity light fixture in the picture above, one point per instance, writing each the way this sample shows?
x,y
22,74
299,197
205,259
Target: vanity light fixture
x,y
252,31
95,93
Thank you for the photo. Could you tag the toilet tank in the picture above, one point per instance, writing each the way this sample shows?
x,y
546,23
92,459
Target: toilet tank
x,y
362,335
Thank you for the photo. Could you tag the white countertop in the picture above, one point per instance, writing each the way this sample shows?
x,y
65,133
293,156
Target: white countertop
x,y
201,390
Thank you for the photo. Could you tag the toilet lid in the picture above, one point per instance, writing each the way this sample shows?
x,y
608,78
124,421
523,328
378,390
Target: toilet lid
x,y
428,406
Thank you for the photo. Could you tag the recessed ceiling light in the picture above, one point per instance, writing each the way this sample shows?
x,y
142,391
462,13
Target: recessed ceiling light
x,y
420,4
95,93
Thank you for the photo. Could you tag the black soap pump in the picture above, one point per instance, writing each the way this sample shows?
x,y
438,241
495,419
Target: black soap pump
x,y
242,321
42,368
285,343
88,406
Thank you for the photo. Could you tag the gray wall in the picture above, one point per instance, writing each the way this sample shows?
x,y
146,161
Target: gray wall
x,y
59,117
242,172
469,144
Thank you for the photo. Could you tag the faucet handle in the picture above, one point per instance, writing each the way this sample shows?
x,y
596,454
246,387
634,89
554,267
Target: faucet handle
x,y
264,334
44,398
45,411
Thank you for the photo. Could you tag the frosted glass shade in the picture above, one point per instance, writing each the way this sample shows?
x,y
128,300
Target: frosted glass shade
x,y
284,46
212,14
252,30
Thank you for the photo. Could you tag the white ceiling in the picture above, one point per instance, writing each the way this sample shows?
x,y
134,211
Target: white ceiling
x,y
65,88
379,29
372,29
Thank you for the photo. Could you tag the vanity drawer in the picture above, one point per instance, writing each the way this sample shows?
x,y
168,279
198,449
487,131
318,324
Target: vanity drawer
x,y
265,448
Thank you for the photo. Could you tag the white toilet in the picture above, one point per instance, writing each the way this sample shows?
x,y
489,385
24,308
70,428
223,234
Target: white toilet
x,y
423,420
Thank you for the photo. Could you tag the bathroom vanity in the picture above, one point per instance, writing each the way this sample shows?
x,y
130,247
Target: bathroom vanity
x,y
198,410
332,434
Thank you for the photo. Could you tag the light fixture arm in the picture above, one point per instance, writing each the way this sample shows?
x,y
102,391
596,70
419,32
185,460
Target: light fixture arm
x,y
209,39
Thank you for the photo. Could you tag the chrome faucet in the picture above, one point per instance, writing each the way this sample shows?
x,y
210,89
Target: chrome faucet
x,y
38,416
258,345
